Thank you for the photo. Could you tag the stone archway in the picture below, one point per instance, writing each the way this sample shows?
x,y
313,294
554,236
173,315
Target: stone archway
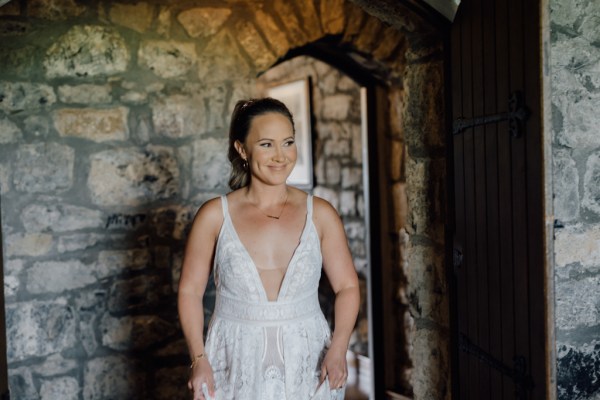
x,y
150,85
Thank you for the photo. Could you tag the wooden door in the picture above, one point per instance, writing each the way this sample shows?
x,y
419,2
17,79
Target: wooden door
x,y
497,282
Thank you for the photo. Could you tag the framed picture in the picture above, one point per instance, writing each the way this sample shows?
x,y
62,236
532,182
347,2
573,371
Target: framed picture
x,y
295,95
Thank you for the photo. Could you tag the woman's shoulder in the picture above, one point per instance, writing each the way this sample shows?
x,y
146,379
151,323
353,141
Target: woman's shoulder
x,y
323,209
211,211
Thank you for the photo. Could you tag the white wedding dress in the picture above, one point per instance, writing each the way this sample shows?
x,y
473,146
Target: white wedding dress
x,y
261,349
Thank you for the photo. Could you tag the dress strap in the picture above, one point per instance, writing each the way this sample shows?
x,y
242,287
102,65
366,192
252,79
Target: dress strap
x,y
309,206
225,206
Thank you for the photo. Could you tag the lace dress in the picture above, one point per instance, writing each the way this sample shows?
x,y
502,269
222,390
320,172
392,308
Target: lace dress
x,y
267,350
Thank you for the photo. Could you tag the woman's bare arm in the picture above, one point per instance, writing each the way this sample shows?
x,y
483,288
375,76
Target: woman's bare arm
x,y
339,267
197,262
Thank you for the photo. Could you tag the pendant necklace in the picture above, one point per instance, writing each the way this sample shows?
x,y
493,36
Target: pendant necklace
x,y
268,215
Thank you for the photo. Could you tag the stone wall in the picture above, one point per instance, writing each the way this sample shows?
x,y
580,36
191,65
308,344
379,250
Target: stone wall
x,y
575,63
113,121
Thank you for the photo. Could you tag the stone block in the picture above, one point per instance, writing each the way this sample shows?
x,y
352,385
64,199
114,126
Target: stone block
x,y
337,147
355,17
142,292
9,131
64,388
578,369
113,377
98,125
348,203
59,276
389,43
167,59
565,186
277,39
78,241
221,60
577,303
163,22
310,20
37,127
400,204
355,230
203,21
396,161
590,24
28,244
55,364
17,62
87,51
424,184
39,328
566,13
591,183
254,45
351,177
333,17
112,262
137,17
577,245
20,382
43,167
54,10
21,96
11,28
332,172
59,218
128,177
424,129
179,116
288,15
172,222
337,107
370,36
431,374
85,94
210,167
12,282
427,284
134,332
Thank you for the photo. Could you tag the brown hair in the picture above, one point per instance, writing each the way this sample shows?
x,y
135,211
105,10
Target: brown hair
x,y
241,119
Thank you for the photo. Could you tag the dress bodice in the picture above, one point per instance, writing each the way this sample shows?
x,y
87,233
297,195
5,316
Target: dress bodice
x,y
236,274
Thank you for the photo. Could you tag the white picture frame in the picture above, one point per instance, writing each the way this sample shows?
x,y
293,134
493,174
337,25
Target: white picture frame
x,y
295,95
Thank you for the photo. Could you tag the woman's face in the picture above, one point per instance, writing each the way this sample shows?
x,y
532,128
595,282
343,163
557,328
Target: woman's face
x,y
270,148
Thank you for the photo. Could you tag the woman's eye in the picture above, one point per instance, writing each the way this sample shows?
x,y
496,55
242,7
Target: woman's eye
x,y
265,145
289,142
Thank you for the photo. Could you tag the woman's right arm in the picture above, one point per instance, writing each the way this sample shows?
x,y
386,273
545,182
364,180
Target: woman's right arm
x,y
197,262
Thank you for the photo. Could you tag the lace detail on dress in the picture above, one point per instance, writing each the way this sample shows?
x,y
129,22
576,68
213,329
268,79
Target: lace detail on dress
x,y
260,349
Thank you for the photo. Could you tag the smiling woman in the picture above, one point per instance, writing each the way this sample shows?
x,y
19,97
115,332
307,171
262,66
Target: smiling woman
x,y
266,244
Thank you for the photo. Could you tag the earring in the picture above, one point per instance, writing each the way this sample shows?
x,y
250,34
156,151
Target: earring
x,y
245,164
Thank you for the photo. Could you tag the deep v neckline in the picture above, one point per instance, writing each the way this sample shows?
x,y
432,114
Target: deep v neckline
x,y
254,268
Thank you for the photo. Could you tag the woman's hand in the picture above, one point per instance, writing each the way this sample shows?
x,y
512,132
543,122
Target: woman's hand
x,y
202,373
335,367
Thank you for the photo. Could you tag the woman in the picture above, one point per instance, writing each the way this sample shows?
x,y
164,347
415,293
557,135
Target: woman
x,y
266,243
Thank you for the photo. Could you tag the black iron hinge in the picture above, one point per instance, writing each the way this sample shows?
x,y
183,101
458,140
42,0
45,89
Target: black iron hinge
x,y
517,114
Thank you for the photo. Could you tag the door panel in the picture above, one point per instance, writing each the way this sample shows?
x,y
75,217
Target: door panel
x,y
498,274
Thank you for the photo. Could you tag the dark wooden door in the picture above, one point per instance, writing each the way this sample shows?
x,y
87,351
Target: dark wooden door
x,y
498,300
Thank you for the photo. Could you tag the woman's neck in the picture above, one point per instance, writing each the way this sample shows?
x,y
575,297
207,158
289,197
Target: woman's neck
x,y
266,195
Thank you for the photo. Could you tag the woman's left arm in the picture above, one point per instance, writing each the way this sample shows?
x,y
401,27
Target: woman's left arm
x,y
338,265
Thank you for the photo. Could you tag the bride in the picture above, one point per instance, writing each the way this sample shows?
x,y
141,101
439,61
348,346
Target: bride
x,y
266,244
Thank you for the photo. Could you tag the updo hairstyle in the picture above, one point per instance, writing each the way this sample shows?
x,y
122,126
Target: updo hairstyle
x,y
241,119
